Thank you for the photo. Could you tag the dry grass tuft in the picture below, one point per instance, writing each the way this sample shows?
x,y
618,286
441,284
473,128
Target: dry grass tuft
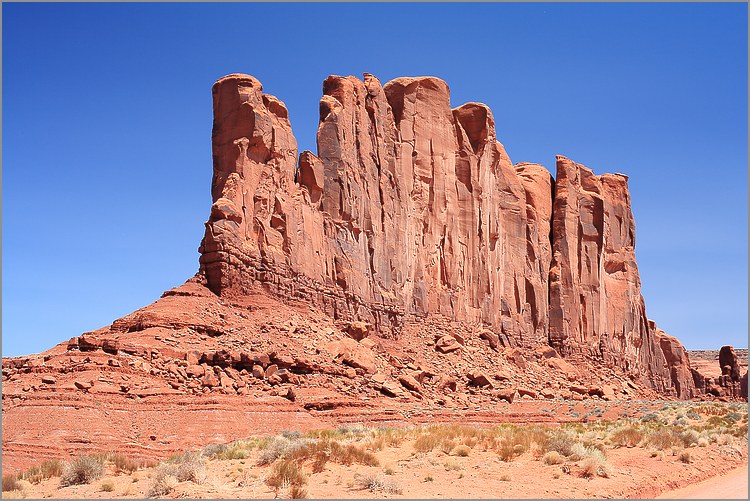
x,y
286,473
48,469
595,465
10,483
553,457
82,470
461,451
627,437
426,443
297,492
125,464
164,481
663,439
375,483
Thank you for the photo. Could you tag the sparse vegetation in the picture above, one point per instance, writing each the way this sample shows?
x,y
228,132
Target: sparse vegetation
x,y
164,481
10,483
627,436
685,456
553,457
289,461
461,451
297,492
48,469
286,473
82,470
595,466
374,483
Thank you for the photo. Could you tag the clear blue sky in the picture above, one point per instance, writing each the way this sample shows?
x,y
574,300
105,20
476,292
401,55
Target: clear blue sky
x,y
107,133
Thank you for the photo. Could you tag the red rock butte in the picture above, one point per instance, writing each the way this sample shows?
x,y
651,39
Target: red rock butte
x,y
411,209
408,271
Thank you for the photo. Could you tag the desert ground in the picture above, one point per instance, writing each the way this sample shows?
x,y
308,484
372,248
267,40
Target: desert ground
x,y
647,450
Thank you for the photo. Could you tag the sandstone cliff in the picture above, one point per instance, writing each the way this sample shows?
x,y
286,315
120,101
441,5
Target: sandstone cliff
x,y
412,208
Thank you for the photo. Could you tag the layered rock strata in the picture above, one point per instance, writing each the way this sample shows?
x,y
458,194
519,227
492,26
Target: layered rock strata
x,y
413,208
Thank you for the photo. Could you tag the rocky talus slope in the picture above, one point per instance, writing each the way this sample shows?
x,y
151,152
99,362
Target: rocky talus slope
x,y
407,269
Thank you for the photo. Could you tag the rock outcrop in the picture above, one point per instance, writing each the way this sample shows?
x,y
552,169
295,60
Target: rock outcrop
x,y
412,208
730,383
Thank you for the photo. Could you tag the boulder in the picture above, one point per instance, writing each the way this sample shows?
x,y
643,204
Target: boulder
x,y
508,395
410,383
447,344
526,392
210,380
358,330
478,378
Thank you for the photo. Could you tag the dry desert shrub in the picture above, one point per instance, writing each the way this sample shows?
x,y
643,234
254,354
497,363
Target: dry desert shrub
x,y
10,483
235,451
447,446
505,450
685,456
164,481
392,436
123,463
662,439
322,451
82,470
461,451
212,450
297,492
278,447
374,483
689,437
107,486
452,466
553,457
427,442
191,467
595,466
284,474
353,429
560,441
627,436
48,469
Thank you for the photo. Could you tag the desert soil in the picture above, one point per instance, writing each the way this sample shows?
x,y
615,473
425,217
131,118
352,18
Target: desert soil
x,y
641,471
732,485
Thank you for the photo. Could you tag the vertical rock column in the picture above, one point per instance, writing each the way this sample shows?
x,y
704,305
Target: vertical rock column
x,y
254,156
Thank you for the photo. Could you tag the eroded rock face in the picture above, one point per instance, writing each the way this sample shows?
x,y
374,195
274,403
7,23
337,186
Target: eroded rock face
x,y
409,208
596,308
677,363
413,208
729,364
